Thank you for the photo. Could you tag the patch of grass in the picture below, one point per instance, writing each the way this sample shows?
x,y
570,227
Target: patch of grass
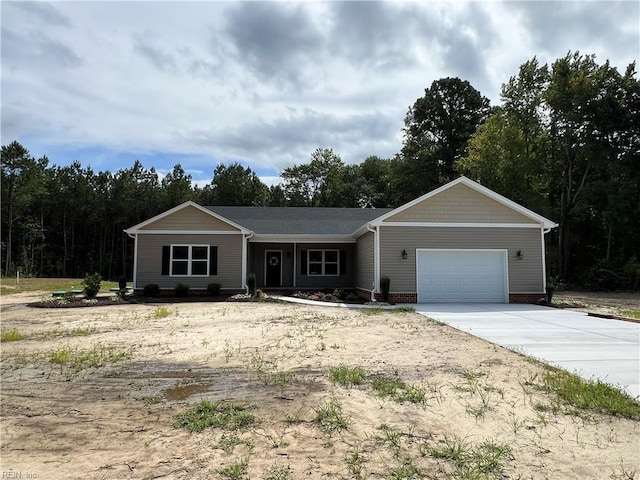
x,y
330,418
594,396
161,312
402,392
227,416
355,460
403,309
392,437
235,471
11,336
472,461
229,442
153,400
99,356
278,472
9,285
347,376
631,314
387,386
372,311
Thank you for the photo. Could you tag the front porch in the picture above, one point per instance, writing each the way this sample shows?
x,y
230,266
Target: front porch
x,y
302,266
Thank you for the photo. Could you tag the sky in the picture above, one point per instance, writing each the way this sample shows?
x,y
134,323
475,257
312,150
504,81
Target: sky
x,y
266,83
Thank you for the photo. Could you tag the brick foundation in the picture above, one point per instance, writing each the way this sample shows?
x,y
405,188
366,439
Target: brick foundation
x,y
526,297
412,297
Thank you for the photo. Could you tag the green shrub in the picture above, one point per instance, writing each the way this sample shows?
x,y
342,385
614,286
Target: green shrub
x,y
151,290
214,289
251,283
385,284
181,290
92,284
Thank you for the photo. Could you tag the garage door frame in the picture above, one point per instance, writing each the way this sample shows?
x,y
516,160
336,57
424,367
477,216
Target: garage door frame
x,y
505,259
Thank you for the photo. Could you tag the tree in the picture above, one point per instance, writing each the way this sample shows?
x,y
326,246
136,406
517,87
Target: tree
x,y
234,185
437,130
176,187
21,181
577,89
317,183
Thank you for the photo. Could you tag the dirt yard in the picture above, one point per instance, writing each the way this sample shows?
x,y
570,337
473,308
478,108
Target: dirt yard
x,y
94,393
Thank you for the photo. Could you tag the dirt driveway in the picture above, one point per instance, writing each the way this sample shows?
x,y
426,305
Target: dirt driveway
x,y
94,393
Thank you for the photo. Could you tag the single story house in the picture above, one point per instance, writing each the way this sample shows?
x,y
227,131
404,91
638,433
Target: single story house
x,y
459,243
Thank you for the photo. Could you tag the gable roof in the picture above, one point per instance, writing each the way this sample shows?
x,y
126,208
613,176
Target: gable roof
x,y
140,226
299,220
544,222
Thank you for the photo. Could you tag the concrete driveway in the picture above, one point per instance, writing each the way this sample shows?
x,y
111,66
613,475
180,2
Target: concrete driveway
x,y
591,347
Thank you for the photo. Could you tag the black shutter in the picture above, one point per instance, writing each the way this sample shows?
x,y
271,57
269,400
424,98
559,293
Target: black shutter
x,y
343,262
213,260
166,257
303,262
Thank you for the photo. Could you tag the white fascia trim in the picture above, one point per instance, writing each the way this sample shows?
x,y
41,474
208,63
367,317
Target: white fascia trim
x,y
376,258
460,225
545,222
190,232
135,262
302,239
188,203
544,262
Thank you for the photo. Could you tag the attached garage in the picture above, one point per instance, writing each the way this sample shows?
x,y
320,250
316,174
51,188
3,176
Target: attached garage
x,y
456,275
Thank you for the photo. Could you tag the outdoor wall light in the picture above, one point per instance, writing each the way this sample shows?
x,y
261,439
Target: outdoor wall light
x,y
404,254
519,255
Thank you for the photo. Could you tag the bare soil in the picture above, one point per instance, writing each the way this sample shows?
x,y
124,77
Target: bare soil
x,y
112,416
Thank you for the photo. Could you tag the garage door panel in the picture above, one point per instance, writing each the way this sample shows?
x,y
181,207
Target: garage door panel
x,y
461,276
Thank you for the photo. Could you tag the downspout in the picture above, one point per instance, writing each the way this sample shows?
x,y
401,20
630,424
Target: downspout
x,y
376,265
544,260
245,237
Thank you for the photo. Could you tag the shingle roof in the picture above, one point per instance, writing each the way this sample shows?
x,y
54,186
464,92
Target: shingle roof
x,y
299,220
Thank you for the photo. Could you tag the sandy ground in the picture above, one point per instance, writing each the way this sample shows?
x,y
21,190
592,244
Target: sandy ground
x,y
112,416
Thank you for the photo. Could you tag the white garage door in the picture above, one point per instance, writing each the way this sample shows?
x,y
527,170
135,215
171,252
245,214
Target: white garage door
x,y
455,276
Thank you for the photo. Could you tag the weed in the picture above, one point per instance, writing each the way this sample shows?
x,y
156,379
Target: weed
x,y
98,356
595,396
393,437
631,314
12,336
405,471
347,376
403,309
386,386
294,418
372,311
279,379
153,400
278,472
471,461
235,471
161,312
330,419
354,461
228,416
229,442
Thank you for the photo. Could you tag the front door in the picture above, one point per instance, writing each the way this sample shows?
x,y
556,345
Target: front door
x,y
273,268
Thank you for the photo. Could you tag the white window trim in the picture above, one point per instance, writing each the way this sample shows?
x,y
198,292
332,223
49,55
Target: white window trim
x,y
324,263
189,259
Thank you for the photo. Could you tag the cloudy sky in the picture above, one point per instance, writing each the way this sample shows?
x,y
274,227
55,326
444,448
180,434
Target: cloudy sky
x,y
266,83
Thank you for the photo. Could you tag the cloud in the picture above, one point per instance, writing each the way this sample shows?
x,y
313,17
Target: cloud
x,y
277,41
266,83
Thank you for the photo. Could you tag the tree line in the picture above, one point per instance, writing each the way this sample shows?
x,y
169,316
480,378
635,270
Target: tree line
x,y
564,141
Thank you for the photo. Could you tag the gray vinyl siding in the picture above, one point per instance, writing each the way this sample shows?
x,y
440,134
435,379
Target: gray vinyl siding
x,y
525,276
365,262
149,268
